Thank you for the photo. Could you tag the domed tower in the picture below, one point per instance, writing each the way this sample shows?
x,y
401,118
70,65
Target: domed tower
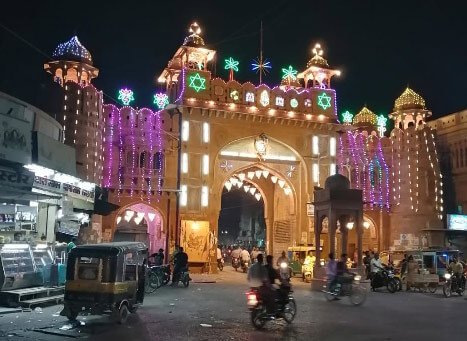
x,y
318,73
193,54
409,109
366,120
81,114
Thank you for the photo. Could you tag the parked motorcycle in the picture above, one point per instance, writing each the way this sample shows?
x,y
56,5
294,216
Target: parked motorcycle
x,y
384,278
184,277
220,264
235,263
152,281
453,284
350,287
284,306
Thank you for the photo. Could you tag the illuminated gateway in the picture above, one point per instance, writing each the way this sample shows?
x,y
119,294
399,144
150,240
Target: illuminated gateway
x,y
168,169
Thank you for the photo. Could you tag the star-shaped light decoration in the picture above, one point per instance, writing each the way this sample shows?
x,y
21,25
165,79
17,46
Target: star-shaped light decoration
x,y
262,67
226,166
290,73
197,82
347,117
317,50
324,101
126,96
161,100
232,65
290,172
381,123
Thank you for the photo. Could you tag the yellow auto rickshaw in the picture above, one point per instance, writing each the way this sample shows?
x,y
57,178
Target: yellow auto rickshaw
x,y
297,256
105,278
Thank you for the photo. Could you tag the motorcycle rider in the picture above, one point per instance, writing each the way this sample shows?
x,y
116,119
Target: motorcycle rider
x,y
457,270
366,262
236,252
245,257
376,267
309,263
180,264
282,258
254,253
331,271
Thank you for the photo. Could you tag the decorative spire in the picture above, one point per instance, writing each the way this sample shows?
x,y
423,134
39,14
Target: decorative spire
x,y
318,59
409,100
73,50
194,39
366,116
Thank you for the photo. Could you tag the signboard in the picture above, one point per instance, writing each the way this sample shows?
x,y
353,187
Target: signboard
x,y
50,153
63,188
12,178
15,139
310,209
457,222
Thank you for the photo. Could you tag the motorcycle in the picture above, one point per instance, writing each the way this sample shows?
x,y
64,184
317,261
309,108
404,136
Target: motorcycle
x,y
153,280
454,284
385,278
350,287
284,306
235,263
284,271
220,264
184,277
245,265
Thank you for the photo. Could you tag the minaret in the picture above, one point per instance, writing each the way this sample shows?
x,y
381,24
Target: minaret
x,y
81,115
193,54
409,109
318,73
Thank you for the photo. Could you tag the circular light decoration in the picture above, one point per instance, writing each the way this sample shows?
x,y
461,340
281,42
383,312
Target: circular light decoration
x,y
161,100
264,98
234,94
293,103
126,96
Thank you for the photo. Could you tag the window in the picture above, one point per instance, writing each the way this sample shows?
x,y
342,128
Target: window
x,y
185,130
206,132
280,101
315,173
158,161
250,97
204,196
315,145
142,160
184,163
332,146
130,267
183,195
88,268
205,164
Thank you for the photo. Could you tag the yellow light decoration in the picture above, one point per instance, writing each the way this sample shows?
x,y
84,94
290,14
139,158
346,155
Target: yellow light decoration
x,y
281,183
228,185
241,176
258,196
246,188
365,116
409,100
252,190
151,216
274,179
258,173
119,219
251,175
287,190
265,173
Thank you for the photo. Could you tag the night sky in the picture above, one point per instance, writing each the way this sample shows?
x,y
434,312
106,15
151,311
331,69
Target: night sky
x,y
380,49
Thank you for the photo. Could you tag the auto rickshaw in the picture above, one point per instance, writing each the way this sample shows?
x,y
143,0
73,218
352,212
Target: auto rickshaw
x,y
297,255
106,278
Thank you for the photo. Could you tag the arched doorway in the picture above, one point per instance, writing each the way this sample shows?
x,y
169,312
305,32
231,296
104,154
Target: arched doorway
x,y
142,223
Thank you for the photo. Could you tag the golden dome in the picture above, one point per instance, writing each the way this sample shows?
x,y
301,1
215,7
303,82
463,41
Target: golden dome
x,y
409,100
318,61
194,39
365,116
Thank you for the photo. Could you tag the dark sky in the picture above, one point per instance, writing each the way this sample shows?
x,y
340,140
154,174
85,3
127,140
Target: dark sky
x,y
379,48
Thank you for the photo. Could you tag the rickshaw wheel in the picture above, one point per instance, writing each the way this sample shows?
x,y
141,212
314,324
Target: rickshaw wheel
x,y
122,314
72,315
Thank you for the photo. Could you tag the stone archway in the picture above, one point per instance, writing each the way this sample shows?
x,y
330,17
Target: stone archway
x,y
141,222
282,188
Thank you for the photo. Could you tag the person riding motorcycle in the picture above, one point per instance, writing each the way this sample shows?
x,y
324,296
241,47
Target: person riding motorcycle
x,y
245,257
282,258
180,264
309,263
376,268
219,255
457,270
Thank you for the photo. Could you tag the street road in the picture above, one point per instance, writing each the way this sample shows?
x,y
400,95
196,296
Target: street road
x,y
179,313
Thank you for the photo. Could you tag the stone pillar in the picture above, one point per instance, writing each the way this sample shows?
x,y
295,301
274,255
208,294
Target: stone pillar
x,y
344,238
317,231
359,230
332,232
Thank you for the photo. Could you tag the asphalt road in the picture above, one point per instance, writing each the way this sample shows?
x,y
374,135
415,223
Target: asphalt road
x,y
217,311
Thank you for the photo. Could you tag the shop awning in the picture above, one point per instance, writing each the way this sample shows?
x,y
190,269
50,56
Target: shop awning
x,y
14,195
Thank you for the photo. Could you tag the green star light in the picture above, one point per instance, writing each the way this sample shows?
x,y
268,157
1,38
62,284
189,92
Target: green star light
x,y
324,101
197,82
289,73
347,117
